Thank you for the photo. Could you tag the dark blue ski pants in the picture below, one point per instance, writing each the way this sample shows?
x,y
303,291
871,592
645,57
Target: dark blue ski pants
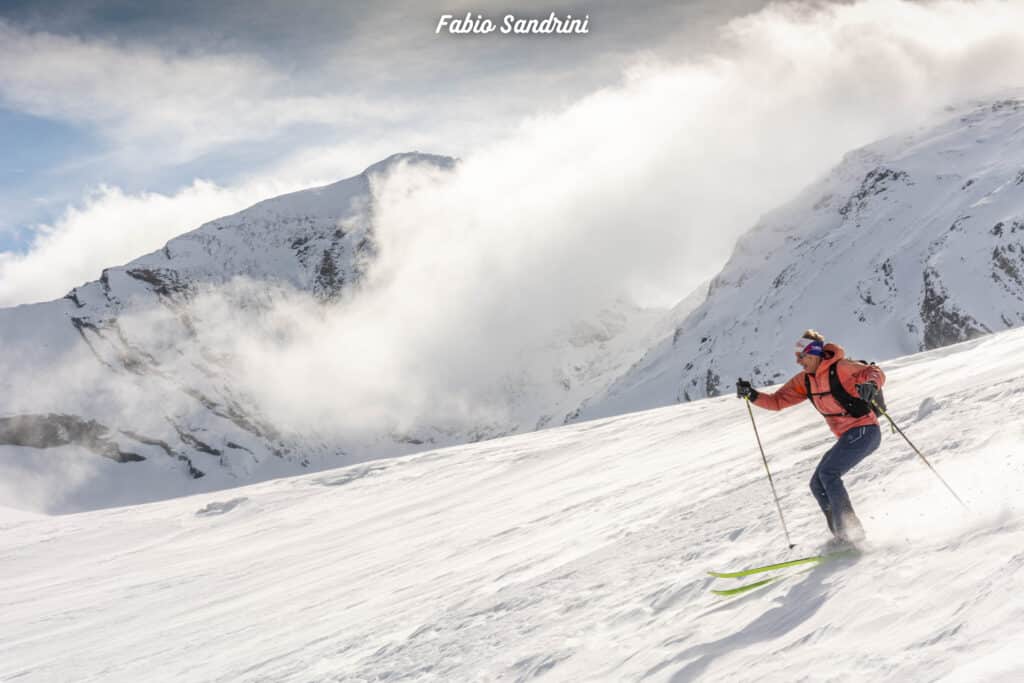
x,y
827,483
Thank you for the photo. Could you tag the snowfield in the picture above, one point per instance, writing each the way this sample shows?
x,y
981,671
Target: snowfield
x,y
572,554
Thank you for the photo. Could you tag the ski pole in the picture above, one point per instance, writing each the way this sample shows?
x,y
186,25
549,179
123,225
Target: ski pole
x,y
770,481
921,455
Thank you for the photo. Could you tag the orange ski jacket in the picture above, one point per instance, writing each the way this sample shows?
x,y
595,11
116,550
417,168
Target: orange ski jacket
x,y
850,374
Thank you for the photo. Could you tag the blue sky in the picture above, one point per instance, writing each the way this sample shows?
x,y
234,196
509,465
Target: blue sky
x,y
35,150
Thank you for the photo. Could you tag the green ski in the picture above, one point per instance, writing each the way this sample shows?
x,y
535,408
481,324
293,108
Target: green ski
x,y
739,590
745,588
814,559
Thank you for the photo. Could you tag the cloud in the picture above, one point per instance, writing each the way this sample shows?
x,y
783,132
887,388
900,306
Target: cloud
x,y
185,104
172,83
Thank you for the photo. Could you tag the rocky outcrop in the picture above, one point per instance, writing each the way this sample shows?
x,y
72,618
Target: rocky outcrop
x,y
943,322
48,431
876,181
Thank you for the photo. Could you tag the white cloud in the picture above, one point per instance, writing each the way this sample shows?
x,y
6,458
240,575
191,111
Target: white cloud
x,y
185,104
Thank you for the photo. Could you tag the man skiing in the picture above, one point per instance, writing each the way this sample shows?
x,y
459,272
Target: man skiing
x,y
842,390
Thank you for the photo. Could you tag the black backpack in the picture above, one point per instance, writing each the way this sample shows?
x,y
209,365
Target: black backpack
x,y
853,405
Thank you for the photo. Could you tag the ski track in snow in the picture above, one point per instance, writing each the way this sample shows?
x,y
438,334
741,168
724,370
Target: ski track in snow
x,y
577,553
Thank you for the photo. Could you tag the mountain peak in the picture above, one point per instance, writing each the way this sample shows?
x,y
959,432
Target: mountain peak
x,y
335,199
412,158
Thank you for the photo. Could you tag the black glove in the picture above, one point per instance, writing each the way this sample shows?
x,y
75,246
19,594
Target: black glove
x,y
867,391
745,390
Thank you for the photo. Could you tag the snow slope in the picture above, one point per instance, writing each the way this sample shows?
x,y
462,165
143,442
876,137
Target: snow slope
x,y
576,553
911,243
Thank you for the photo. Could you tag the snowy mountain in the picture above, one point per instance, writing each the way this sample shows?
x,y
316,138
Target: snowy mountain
x,y
129,389
571,554
912,243
123,367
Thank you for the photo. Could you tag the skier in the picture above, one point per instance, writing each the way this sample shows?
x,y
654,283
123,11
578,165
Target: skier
x,y
842,390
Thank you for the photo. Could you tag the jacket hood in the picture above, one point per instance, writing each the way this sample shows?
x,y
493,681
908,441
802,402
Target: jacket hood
x,y
833,352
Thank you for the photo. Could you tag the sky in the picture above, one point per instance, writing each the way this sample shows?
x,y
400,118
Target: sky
x,y
126,124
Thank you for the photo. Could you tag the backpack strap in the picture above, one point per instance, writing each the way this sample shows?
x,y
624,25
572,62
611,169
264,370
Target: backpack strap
x,y
811,395
853,406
